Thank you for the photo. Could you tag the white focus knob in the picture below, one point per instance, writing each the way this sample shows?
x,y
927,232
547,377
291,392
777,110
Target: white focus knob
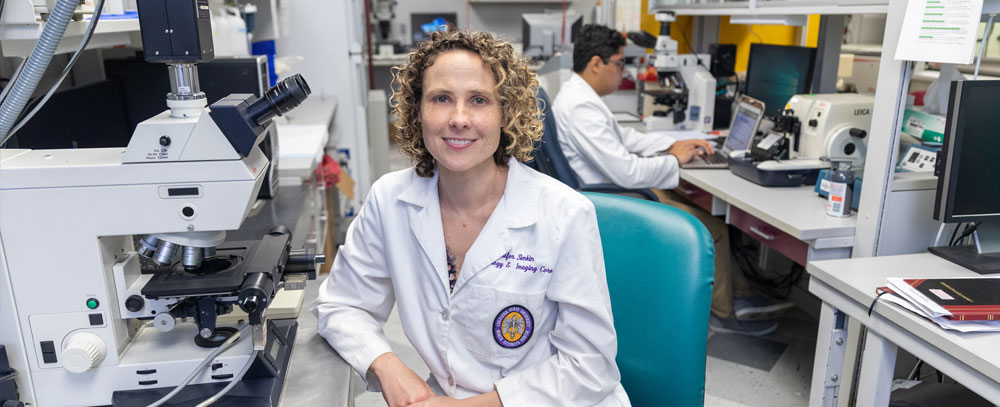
x,y
83,351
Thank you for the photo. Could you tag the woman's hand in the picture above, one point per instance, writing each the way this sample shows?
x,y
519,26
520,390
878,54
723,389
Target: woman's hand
x,y
491,399
401,387
439,401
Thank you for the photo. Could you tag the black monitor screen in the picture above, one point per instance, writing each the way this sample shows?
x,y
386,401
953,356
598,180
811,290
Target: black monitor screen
x,y
969,183
775,73
145,85
89,116
417,20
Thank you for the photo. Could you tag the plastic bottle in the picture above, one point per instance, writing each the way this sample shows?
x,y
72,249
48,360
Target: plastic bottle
x,y
841,190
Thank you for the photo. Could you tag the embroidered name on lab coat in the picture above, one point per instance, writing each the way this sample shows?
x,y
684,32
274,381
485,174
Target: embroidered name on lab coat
x,y
520,262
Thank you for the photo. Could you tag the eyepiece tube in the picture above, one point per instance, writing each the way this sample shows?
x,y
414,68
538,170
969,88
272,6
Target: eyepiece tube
x,y
284,96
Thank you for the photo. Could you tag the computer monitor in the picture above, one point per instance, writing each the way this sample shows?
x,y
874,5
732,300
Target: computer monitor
x,y
145,85
968,188
88,116
543,33
417,21
775,73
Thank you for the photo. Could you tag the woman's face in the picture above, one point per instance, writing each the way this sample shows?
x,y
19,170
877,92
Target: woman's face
x,y
460,112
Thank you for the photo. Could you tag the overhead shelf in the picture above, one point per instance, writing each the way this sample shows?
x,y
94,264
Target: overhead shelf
x,y
784,7
774,7
22,27
18,40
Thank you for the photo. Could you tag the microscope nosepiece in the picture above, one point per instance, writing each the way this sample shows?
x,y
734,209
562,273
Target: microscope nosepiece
x,y
165,253
192,257
147,246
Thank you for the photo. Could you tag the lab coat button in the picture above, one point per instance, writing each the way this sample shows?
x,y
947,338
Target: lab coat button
x,y
451,381
444,315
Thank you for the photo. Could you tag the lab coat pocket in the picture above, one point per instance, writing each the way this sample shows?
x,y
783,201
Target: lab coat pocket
x,y
501,327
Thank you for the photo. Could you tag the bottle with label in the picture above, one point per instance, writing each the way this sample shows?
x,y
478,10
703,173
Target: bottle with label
x,y
841,190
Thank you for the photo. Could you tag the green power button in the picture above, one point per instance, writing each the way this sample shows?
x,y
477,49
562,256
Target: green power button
x,y
92,303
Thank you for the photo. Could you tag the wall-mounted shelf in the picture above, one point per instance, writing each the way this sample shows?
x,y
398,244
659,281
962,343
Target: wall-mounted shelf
x,y
784,7
18,40
22,27
519,1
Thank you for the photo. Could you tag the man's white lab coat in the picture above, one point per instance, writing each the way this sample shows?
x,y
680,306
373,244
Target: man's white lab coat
x,y
601,151
529,316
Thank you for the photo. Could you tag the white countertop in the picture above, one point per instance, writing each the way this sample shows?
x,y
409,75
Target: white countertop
x,y
858,278
798,211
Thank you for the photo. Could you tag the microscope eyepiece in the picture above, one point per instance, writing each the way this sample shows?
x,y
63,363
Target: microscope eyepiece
x,y
280,99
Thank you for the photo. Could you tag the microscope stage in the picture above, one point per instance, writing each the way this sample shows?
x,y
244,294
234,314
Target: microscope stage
x,y
222,274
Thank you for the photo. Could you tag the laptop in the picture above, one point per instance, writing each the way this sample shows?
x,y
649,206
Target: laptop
x,y
749,112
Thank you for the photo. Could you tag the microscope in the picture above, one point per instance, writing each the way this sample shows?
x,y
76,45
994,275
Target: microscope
x,y
83,320
682,84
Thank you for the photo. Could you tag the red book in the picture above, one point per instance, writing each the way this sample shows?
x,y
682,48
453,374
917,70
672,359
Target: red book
x,y
968,299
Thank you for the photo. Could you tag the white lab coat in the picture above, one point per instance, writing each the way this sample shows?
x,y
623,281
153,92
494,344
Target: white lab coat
x,y
539,250
601,151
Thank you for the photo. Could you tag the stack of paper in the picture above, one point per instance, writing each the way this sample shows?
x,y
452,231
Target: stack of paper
x,y
902,293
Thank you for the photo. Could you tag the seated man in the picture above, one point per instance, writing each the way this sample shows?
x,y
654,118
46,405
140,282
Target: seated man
x,y
601,151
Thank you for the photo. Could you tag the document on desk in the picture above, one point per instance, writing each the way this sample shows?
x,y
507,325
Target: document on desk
x,y
940,31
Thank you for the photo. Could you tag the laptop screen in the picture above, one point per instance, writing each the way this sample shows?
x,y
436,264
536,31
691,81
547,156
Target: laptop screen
x,y
742,130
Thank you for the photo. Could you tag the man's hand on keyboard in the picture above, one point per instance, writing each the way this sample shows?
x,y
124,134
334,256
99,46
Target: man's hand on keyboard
x,y
687,150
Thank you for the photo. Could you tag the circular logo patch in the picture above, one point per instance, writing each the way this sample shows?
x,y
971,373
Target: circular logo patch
x,y
513,326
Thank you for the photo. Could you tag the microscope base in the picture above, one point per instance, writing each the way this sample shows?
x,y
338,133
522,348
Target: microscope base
x,y
261,385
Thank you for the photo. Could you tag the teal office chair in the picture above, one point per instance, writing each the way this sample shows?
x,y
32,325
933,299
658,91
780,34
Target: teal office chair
x,y
660,266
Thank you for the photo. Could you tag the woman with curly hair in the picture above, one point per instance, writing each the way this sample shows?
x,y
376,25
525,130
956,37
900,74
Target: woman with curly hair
x,y
497,270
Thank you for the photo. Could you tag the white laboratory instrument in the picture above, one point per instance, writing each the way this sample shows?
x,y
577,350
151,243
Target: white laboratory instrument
x,y
84,319
816,130
685,86
834,126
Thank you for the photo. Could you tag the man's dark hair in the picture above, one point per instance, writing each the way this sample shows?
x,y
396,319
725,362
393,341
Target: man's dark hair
x,y
595,40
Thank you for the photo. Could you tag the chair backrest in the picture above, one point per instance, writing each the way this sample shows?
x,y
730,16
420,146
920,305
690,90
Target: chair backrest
x,y
660,265
551,161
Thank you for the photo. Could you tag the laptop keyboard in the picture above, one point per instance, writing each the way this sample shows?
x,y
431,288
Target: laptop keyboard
x,y
717,158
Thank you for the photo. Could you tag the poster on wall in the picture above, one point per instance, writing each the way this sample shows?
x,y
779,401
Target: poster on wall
x,y
940,31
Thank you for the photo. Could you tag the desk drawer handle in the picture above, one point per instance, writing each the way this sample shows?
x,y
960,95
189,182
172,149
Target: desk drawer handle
x,y
685,191
761,233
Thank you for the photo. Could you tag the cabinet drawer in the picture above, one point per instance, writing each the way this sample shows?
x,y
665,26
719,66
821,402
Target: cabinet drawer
x,y
694,194
774,238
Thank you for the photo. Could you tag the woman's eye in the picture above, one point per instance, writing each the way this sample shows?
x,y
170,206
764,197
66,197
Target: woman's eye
x,y
479,100
441,99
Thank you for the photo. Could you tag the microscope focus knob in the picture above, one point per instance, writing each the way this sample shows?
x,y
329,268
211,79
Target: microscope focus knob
x,y
83,351
134,303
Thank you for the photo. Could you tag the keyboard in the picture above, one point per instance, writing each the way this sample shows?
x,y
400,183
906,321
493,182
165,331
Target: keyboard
x,y
717,158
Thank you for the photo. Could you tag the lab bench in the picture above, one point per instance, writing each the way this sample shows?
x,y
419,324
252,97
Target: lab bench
x,y
316,375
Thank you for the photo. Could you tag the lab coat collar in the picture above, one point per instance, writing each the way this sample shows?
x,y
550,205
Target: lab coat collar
x,y
576,81
517,208
520,195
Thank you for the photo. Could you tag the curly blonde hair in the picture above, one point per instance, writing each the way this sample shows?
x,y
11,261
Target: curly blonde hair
x,y
517,89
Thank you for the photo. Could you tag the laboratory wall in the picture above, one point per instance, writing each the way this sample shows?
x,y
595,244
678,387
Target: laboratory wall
x,y
502,18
